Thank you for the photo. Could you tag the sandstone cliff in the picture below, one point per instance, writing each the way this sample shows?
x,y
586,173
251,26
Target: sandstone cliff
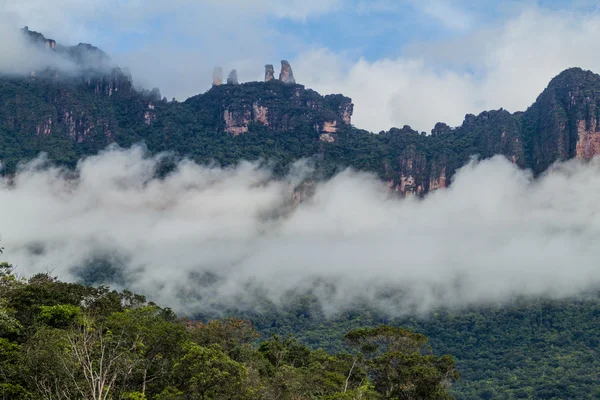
x,y
84,56
563,123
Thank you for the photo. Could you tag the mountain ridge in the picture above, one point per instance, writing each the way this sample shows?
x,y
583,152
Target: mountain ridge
x,y
280,122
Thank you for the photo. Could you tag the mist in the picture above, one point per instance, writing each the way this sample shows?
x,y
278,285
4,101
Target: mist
x,y
204,237
23,57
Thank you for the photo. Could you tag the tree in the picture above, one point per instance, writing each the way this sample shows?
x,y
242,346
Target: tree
x,y
229,333
399,365
11,383
158,337
208,373
86,361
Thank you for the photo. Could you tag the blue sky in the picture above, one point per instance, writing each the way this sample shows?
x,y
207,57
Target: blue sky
x,y
410,62
370,29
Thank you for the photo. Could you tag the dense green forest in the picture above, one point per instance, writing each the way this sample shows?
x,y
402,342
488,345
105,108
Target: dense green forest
x,y
68,341
526,349
54,335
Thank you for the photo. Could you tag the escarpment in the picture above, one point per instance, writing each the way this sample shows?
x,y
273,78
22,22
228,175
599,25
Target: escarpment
x,y
79,111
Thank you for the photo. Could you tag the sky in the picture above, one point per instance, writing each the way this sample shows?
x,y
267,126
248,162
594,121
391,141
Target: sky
x,y
404,62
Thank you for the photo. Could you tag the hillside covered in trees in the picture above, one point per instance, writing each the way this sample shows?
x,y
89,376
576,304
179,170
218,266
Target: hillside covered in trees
x,y
68,341
527,349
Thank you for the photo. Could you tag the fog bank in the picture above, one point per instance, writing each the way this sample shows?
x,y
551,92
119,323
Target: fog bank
x,y
205,237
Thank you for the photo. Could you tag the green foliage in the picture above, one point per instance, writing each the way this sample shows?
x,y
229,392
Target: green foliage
x,y
207,372
399,367
134,396
75,342
59,316
170,393
70,119
386,339
527,349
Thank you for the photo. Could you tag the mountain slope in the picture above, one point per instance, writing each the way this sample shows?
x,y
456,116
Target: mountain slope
x,y
528,349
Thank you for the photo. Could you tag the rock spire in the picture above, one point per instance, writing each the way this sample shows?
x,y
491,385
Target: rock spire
x,y
217,76
233,78
286,75
269,72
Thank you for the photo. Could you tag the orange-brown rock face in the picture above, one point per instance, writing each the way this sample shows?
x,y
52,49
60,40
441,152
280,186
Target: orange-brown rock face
x,y
275,105
236,123
407,184
347,114
44,128
588,140
438,182
149,117
329,127
260,114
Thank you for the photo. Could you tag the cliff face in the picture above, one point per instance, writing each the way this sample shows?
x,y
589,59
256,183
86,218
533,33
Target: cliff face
x,y
563,123
280,121
84,56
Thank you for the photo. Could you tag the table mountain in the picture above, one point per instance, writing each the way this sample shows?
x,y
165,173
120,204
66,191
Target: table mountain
x,y
76,113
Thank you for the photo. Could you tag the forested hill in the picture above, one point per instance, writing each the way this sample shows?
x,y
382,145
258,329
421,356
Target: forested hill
x,y
69,115
72,342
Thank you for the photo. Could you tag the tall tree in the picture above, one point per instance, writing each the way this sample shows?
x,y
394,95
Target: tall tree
x,y
401,365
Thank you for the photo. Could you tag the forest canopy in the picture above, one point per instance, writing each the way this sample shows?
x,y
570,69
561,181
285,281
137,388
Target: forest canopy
x,y
63,340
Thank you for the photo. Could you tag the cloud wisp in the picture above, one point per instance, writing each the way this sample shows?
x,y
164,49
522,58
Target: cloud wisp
x,y
205,237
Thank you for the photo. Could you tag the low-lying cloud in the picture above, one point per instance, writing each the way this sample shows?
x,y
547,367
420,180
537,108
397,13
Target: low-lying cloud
x,y
22,56
205,236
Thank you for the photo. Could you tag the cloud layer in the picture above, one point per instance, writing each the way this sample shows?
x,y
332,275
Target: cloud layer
x,y
204,237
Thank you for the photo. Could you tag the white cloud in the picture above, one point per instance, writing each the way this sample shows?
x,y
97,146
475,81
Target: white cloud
x,y
503,66
390,93
303,9
493,235
447,12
